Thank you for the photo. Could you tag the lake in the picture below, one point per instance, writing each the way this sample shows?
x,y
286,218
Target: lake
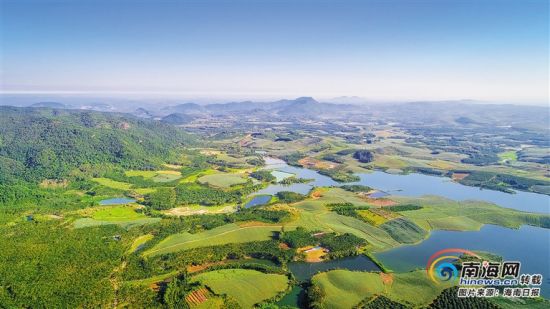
x,y
116,201
411,185
281,168
418,185
529,245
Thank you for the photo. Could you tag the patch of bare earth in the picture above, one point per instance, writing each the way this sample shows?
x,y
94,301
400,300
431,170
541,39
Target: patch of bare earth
x,y
313,254
387,279
195,268
380,202
187,211
459,176
317,164
54,183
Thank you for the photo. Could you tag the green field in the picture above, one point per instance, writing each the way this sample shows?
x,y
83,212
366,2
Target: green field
x,y
117,213
229,233
508,156
222,180
156,176
445,214
345,289
140,241
144,174
247,287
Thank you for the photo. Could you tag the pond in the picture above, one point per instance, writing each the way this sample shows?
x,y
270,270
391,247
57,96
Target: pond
x,y
116,201
529,245
297,298
258,200
304,271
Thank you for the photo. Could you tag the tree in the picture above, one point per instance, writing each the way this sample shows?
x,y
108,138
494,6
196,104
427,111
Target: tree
x,y
174,296
162,198
363,156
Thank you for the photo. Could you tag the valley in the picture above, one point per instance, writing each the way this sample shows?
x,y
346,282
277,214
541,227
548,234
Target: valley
x,y
311,212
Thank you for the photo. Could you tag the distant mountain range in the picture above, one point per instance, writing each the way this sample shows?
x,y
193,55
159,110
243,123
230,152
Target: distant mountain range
x,y
458,112
301,107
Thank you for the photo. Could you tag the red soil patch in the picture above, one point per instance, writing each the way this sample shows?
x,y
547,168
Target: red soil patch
x,y
154,286
197,297
387,279
284,246
459,176
315,163
317,194
195,268
381,202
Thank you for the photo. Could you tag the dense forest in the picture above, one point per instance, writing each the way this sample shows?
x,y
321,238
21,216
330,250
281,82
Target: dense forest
x,y
42,143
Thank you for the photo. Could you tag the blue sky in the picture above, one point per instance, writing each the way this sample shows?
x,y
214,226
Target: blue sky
x,y
441,49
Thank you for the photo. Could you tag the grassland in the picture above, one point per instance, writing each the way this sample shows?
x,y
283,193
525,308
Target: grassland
x,y
122,215
140,240
144,174
445,214
156,176
508,156
222,180
345,289
229,233
117,213
248,287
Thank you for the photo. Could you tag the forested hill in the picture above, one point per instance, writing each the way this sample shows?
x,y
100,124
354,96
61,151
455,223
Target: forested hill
x,y
42,143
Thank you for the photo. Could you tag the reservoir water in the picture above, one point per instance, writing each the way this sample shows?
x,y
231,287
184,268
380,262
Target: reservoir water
x,y
116,201
529,245
411,185
418,185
